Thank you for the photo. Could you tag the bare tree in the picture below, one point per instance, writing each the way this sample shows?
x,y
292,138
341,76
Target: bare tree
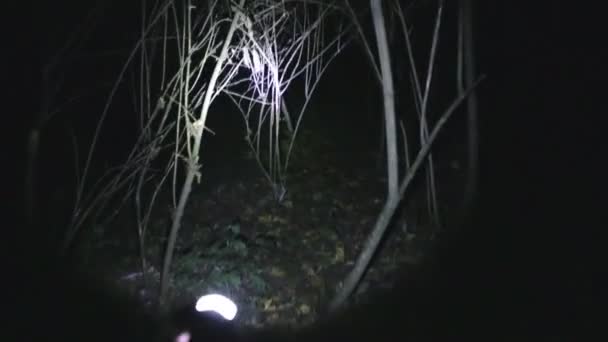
x,y
465,78
287,41
428,137
185,58
53,79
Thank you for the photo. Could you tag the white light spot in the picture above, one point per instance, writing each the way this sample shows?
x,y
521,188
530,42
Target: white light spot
x,y
183,337
217,303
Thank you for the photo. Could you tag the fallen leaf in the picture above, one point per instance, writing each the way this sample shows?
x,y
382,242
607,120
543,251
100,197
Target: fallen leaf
x,y
338,255
304,309
308,270
277,272
269,305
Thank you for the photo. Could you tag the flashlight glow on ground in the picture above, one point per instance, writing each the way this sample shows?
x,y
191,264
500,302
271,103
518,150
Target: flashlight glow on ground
x,y
217,303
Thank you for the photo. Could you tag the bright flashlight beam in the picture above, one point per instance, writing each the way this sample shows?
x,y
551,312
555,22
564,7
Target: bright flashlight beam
x,y
217,303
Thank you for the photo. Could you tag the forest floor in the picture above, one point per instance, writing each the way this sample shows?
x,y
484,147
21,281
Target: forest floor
x,y
280,262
